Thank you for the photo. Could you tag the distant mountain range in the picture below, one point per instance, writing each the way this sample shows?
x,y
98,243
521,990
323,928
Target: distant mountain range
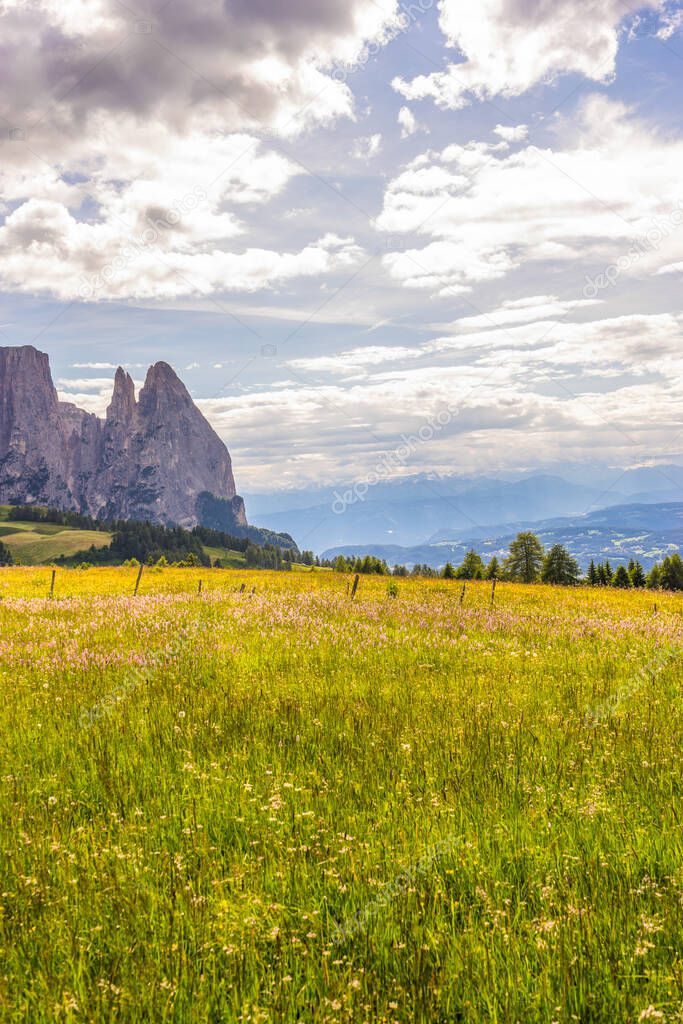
x,y
640,531
428,509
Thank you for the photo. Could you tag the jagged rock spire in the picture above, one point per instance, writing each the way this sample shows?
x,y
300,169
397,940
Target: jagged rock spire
x,y
122,403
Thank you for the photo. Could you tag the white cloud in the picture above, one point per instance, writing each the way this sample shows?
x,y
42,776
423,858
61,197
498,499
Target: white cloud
x,y
94,366
130,256
134,126
238,65
671,23
408,123
355,359
634,345
503,386
367,147
511,45
522,311
148,208
512,133
84,383
488,211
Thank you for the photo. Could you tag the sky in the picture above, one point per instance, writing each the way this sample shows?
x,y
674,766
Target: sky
x,y
373,238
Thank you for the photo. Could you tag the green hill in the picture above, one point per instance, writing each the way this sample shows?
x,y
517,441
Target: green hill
x,y
38,536
41,543
229,559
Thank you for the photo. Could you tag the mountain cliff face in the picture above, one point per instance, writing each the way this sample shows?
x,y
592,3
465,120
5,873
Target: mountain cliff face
x,y
156,458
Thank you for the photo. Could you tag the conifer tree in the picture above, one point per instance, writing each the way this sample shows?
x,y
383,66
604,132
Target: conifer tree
x,y
621,578
525,558
637,575
559,567
493,571
472,567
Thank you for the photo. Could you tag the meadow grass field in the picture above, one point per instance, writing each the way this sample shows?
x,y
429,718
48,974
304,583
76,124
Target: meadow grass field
x,y
40,543
289,806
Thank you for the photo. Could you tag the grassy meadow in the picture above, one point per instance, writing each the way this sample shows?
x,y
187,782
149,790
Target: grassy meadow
x,y
40,543
282,805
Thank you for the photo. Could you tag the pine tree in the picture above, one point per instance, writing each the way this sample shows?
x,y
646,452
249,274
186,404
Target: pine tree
x,y
621,578
472,567
608,573
637,575
493,571
559,567
672,573
525,558
592,575
448,572
654,577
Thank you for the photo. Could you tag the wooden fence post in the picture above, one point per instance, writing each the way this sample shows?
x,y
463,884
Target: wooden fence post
x,y
199,588
462,593
493,591
137,582
52,583
355,586
242,588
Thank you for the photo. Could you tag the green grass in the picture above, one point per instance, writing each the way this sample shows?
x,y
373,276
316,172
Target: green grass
x,y
42,543
286,806
229,559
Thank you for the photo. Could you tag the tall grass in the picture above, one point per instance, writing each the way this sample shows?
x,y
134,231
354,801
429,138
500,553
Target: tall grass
x,y
287,806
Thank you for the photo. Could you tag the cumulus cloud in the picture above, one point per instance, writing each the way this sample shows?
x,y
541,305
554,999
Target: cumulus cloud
x,y
633,344
246,63
517,399
488,211
155,133
107,261
149,221
512,133
409,124
509,46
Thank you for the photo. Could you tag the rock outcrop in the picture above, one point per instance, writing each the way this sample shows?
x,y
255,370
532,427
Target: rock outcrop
x,y
156,458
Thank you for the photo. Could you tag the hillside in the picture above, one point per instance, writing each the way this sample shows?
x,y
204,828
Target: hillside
x,y
40,536
42,543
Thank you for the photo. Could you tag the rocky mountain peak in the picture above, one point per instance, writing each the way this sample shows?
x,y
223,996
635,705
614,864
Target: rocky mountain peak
x,y
122,402
156,458
163,388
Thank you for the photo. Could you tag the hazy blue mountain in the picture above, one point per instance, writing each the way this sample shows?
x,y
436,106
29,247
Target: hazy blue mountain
x,y
641,531
407,512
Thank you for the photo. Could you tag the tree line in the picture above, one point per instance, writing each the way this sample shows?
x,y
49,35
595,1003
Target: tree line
x,y
152,544
528,562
